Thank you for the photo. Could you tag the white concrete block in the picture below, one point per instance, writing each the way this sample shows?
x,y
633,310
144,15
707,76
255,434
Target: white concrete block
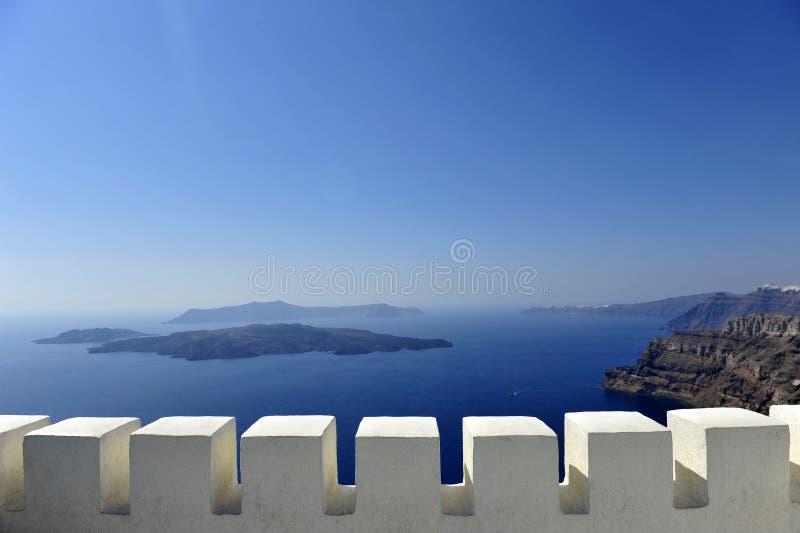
x,y
79,465
511,470
398,473
790,415
12,481
289,469
619,468
185,465
735,462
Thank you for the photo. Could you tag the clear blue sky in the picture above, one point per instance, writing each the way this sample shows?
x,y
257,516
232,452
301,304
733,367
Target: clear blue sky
x,y
153,153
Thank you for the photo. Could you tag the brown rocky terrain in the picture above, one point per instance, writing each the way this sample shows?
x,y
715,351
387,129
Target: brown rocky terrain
x,y
752,362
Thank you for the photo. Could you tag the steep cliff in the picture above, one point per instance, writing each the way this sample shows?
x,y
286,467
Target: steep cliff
x,y
751,362
712,313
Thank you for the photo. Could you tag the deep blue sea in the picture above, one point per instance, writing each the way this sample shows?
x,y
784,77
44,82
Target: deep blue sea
x,y
554,363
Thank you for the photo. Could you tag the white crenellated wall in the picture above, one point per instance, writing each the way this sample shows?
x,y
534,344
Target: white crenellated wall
x,y
710,470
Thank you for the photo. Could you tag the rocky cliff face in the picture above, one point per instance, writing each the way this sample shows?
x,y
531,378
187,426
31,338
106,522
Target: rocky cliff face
x,y
761,323
751,362
714,312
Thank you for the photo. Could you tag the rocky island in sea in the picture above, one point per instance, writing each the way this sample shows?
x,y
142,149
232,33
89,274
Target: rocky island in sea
x,y
262,339
281,311
75,336
751,362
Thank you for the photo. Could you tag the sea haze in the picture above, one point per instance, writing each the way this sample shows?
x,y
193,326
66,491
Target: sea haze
x,y
553,363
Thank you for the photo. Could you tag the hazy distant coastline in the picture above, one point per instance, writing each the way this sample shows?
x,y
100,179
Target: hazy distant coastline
x,y
279,311
667,307
75,336
707,311
714,312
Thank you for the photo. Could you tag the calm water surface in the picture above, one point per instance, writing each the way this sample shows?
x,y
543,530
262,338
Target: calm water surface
x,y
554,363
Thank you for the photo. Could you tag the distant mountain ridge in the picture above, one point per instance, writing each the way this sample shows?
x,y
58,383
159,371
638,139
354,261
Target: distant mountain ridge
x,y
667,307
278,311
268,339
714,312
75,336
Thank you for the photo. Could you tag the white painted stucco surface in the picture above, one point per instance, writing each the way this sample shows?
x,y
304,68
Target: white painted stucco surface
x,y
12,481
711,470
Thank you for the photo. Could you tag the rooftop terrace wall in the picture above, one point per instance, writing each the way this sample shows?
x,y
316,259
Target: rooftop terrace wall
x,y
710,470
